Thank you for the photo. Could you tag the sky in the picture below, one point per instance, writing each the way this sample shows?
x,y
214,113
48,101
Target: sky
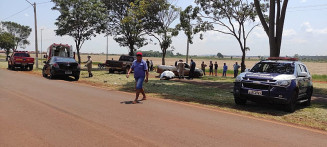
x,y
305,31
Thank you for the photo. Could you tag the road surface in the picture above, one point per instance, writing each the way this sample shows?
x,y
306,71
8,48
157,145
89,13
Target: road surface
x,y
35,111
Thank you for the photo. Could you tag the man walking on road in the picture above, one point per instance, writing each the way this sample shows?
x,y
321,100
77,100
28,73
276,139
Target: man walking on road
x,y
89,66
236,67
140,73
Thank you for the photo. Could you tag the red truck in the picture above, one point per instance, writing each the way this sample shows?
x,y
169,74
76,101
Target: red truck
x,y
20,59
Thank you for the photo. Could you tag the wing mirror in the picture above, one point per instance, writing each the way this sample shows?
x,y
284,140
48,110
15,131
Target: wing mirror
x,y
45,56
302,74
247,70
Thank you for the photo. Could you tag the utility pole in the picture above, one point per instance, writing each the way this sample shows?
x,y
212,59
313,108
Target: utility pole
x,y
107,48
41,43
36,45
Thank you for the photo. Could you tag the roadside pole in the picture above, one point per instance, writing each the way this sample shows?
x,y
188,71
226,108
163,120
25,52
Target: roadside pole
x,y
41,45
36,45
188,46
107,48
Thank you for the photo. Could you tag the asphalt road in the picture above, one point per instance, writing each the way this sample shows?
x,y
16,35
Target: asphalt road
x,y
35,111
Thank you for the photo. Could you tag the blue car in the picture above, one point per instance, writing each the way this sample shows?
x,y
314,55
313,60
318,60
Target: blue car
x,y
276,80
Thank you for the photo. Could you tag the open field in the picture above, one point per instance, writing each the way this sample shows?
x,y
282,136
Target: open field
x,y
316,68
214,92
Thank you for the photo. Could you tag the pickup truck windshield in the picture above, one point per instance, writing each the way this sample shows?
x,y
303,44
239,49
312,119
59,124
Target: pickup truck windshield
x,y
21,55
281,68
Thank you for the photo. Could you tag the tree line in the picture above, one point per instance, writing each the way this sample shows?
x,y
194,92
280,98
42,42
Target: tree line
x,y
136,23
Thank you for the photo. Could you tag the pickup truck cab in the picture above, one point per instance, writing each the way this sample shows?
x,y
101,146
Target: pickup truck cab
x,y
123,64
21,59
276,80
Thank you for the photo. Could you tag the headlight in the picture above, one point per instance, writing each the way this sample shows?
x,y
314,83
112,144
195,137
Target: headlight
x,y
238,79
283,83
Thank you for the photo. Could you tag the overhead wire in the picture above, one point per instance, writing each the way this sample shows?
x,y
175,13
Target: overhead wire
x,y
16,13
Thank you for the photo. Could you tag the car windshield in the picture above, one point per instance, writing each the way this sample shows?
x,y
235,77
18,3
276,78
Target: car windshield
x,y
58,59
268,67
21,55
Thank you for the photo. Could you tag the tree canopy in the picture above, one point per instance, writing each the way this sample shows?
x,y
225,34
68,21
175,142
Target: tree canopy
x,y
20,33
80,19
7,42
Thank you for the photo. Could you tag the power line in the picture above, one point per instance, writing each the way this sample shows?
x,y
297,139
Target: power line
x,y
17,13
310,6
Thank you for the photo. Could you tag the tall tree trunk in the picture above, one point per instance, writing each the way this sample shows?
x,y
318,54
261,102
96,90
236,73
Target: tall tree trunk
x,y
187,50
163,56
131,49
78,55
243,61
7,54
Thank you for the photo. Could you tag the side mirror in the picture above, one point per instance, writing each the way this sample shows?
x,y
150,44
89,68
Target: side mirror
x,y
302,74
45,56
247,70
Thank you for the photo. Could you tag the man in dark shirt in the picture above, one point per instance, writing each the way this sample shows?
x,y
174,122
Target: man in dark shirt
x,y
216,68
192,68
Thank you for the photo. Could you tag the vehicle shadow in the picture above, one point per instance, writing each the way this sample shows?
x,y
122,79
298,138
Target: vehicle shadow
x,y
69,79
130,102
210,95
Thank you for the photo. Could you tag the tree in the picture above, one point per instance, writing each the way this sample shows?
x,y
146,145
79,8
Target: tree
x,y
185,24
227,17
219,55
20,33
80,19
7,42
130,20
275,25
164,32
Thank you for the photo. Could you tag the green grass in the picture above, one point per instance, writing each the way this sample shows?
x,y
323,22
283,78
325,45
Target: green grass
x,y
322,78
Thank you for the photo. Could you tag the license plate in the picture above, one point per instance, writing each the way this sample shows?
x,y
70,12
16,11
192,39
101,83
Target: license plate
x,y
68,72
253,92
24,64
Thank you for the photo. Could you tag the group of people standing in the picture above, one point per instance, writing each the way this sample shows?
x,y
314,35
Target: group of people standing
x,y
149,64
213,68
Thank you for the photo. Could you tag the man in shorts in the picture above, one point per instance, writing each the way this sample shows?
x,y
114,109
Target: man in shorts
x,y
141,75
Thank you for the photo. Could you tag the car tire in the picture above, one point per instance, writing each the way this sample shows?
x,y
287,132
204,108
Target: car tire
x,y
292,104
239,101
196,75
9,67
76,78
51,75
309,94
43,74
30,67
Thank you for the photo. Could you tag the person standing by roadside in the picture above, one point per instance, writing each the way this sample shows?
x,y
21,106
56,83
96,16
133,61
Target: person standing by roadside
x,y
210,69
89,66
225,68
192,69
148,64
140,73
203,67
236,67
216,68
151,65
180,69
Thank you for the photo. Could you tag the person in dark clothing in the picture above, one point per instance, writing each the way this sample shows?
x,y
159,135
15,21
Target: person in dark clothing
x,y
225,68
216,68
191,75
175,63
148,64
203,67
236,67
210,69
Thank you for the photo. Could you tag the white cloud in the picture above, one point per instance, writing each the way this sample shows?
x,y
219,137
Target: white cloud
x,y
309,29
26,15
289,32
303,1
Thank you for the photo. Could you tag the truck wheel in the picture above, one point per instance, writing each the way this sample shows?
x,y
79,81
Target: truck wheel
x,y
76,78
30,67
309,94
292,105
239,101
9,67
111,70
196,75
